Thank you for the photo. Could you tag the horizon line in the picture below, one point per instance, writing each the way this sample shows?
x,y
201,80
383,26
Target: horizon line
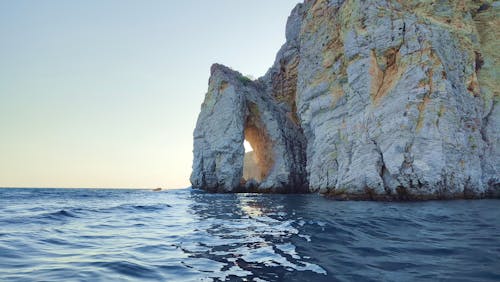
x,y
123,188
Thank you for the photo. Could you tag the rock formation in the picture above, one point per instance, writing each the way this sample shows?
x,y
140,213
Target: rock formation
x,y
381,99
235,109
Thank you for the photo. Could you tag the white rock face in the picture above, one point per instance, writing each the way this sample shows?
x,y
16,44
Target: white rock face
x,y
236,108
378,99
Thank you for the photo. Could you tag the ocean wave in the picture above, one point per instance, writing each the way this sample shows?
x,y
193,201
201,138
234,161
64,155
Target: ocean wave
x,y
194,236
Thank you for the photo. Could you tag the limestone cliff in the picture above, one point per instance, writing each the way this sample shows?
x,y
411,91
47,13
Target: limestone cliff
x,y
235,109
381,99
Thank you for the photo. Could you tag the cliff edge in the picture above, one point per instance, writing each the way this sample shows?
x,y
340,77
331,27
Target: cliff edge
x,y
380,99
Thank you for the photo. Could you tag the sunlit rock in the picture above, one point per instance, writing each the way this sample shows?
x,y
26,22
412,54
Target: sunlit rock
x,y
235,109
375,99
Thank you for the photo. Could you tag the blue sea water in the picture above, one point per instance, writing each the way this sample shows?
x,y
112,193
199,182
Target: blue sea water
x,y
188,235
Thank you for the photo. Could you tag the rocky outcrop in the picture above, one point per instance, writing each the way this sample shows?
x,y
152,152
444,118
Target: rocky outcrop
x,y
378,99
235,109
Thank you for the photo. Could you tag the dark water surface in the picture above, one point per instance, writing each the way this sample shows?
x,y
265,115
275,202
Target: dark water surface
x,y
187,235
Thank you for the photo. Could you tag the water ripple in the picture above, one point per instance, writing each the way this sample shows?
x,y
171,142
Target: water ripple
x,y
188,235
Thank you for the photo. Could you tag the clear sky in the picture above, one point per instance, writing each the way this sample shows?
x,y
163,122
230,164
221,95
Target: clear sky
x,y
105,93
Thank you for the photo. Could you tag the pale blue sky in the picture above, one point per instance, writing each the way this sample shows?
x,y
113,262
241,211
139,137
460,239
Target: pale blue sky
x,y
106,93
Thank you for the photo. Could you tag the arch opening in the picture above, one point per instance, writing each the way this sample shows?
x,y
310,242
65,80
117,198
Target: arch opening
x,y
251,169
258,160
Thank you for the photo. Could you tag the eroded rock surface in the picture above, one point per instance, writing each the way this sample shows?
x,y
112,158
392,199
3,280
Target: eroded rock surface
x,y
378,99
235,109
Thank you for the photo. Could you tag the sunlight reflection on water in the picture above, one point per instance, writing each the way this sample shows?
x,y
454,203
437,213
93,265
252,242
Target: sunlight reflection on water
x,y
188,235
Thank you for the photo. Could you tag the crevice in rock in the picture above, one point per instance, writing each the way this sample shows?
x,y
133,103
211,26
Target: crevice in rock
x,y
483,7
484,124
426,99
383,171
284,85
479,61
384,77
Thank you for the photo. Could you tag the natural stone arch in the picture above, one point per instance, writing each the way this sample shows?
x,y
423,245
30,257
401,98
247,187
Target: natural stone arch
x,y
392,108
235,109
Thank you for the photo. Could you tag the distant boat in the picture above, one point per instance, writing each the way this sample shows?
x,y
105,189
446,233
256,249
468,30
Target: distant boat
x,y
157,189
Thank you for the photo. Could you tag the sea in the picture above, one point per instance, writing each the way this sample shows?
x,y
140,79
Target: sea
x,y
190,235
